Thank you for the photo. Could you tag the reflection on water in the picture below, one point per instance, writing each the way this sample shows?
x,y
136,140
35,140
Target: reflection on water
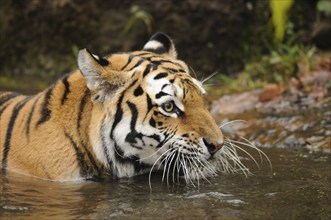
x,y
298,187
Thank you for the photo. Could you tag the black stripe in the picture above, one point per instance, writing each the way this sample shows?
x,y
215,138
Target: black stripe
x,y
10,128
28,122
132,160
93,162
66,89
161,75
175,70
167,61
134,117
138,63
152,122
165,140
154,66
165,85
150,67
129,61
104,144
118,115
144,53
89,154
119,111
2,110
79,156
100,60
147,69
81,107
7,97
133,134
149,103
45,111
138,91
160,94
184,93
132,84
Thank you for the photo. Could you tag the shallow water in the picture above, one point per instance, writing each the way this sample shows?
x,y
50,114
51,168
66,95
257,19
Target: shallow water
x,y
297,187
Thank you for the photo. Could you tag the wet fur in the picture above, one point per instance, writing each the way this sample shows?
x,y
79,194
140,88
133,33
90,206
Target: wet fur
x,y
107,120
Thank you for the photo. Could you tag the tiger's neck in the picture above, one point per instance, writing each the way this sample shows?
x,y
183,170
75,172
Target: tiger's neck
x,y
72,108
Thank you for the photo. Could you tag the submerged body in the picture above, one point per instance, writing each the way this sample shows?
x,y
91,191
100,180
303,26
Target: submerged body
x,y
118,116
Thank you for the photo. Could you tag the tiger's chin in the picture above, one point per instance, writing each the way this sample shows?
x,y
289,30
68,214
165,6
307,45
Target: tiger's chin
x,y
177,167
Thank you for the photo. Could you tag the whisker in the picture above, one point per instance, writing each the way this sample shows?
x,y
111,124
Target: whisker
x,y
230,122
208,77
171,157
165,144
197,153
150,172
209,84
186,171
237,162
173,170
247,153
165,167
201,173
194,73
251,145
258,150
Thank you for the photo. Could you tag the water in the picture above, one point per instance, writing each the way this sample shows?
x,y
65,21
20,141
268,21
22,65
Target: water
x,y
298,187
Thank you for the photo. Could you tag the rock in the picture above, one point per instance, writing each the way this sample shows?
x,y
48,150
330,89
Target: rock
x,y
271,91
234,104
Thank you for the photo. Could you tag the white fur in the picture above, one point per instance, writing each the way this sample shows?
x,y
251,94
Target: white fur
x,y
153,44
200,86
174,91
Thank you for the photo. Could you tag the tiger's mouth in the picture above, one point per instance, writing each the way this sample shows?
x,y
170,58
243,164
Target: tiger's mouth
x,y
185,162
192,165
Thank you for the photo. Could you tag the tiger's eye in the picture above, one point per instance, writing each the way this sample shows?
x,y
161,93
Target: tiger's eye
x,y
168,106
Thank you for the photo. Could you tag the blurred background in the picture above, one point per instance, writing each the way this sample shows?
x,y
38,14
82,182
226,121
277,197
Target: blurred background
x,y
250,40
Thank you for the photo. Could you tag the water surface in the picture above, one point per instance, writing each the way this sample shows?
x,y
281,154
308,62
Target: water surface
x,y
298,187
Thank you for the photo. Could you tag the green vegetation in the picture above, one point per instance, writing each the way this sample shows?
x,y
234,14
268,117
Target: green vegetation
x,y
283,57
139,15
279,66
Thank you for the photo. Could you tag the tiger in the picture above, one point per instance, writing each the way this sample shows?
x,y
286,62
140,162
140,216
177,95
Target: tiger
x,y
118,116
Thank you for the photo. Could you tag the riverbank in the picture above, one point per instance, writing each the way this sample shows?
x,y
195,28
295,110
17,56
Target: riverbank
x,y
293,115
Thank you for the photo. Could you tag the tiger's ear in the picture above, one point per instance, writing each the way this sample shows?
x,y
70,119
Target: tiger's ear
x,y
161,43
100,79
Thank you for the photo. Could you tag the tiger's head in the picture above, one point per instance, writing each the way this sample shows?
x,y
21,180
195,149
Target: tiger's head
x,y
148,113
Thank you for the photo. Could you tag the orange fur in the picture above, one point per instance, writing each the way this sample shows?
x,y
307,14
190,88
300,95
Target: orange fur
x,y
53,134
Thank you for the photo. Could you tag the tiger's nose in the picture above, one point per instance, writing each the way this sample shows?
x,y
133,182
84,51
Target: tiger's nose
x,y
213,147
